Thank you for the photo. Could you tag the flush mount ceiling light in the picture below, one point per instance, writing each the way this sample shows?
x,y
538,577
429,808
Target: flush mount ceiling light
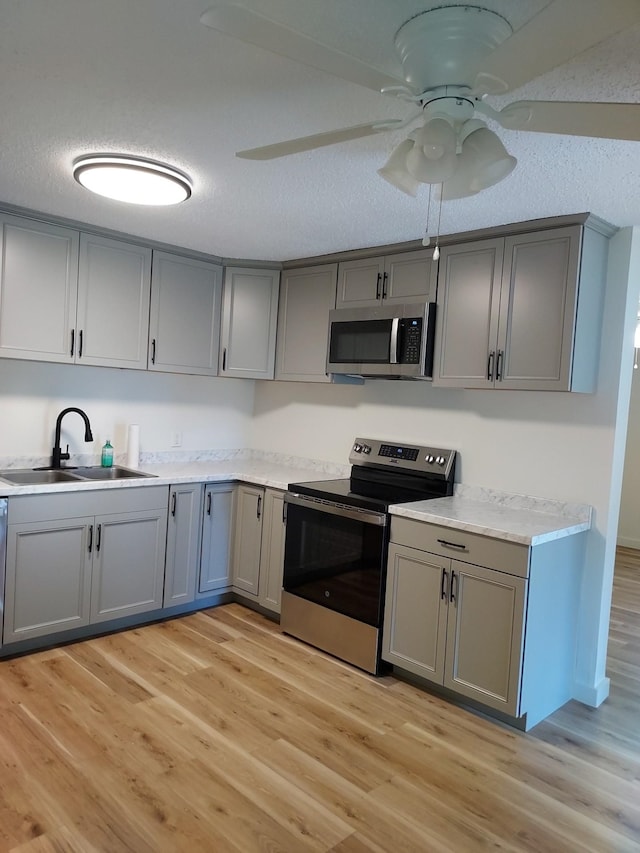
x,y
131,179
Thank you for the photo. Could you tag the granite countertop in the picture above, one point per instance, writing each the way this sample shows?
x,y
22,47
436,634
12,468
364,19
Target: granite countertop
x,y
514,518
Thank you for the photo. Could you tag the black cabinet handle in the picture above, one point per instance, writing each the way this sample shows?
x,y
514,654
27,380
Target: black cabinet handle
x,y
73,342
258,506
384,285
378,282
284,512
224,359
208,503
443,585
455,545
80,336
490,361
454,580
173,504
98,537
90,538
153,351
499,366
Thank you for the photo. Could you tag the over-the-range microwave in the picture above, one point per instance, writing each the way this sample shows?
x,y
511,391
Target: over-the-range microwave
x,y
386,342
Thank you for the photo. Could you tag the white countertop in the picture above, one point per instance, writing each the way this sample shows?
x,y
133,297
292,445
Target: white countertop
x,y
524,525
517,518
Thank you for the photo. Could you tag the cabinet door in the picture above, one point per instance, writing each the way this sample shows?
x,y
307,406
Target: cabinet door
x,y
272,551
48,577
183,544
249,318
38,289
415,615
248,511
409,277
468,310
128,569
485,631
306,297
360,283
114,285
184,329
215,561
538,310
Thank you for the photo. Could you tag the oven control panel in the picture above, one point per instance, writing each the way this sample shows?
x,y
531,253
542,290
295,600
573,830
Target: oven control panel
x,y
409,457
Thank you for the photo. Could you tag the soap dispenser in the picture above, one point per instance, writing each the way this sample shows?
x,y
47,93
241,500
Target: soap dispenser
x,y
107,455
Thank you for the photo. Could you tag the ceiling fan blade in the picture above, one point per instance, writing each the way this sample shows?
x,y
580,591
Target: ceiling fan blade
x,y
562,30
251,27
318,140
603,120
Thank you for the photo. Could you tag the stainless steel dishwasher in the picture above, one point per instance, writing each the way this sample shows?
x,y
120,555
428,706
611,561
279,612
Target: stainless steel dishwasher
x,y
3,553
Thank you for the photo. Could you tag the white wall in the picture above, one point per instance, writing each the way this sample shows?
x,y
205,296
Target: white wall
x,y
210,413
629,527
552,445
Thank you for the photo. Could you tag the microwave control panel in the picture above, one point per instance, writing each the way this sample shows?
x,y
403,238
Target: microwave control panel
x,y
410,340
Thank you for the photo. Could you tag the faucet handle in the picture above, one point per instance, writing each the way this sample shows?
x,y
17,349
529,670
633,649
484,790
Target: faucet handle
x,y
66,454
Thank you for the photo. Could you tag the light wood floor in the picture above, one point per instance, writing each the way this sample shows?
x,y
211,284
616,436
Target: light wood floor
x,y
216,733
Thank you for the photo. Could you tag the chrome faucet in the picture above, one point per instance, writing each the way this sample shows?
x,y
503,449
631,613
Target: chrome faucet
x,y
57,455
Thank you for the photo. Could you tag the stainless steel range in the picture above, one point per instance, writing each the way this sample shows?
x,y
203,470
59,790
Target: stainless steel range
x,y
336,545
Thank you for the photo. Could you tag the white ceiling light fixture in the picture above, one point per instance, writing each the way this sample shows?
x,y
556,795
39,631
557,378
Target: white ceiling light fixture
x,y
133,180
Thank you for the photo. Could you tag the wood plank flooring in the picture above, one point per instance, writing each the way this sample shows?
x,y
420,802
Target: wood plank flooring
x,y
217,733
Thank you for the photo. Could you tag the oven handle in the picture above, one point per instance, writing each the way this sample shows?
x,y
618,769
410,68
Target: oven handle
x,y
367,516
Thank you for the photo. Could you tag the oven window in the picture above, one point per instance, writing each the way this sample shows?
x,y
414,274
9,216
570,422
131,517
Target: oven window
x,y
360,342
336,562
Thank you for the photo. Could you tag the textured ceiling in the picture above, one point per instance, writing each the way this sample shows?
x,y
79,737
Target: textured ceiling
x,y
145,77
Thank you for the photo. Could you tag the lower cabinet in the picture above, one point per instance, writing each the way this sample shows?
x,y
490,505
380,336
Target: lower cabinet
x,y
184,527
215,560
83,558
258,544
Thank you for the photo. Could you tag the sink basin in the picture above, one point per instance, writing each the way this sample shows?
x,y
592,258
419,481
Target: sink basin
x,y
116,472
44,477
27,477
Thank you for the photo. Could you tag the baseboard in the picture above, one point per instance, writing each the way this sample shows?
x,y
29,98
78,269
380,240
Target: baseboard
x,y
625,542
592,695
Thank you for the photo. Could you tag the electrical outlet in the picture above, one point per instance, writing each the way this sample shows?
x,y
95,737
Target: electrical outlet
x,y
176,439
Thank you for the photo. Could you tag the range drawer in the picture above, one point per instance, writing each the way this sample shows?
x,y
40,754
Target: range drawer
x,y
460,545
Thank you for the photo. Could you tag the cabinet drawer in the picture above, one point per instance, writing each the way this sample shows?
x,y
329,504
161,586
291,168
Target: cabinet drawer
x,y
49,507
459,544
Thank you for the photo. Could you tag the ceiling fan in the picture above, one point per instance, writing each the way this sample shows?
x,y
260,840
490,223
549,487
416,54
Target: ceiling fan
x,y
453,57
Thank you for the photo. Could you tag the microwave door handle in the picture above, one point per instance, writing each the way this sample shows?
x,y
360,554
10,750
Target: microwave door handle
x,y
393,349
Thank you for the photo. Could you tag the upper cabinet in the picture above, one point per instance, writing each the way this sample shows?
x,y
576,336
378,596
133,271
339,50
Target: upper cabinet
x,y
249,318
306,297
72,297
405,277
521,312
184,327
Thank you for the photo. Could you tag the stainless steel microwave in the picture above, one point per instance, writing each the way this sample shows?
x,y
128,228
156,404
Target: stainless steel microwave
x,y
386,342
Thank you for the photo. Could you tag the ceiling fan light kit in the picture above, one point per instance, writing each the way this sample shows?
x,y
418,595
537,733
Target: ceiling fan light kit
x,y
452,57
134,180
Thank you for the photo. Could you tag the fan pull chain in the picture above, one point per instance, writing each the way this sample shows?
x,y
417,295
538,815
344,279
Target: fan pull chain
x,y
436,251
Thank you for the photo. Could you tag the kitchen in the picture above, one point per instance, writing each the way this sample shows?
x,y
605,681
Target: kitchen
x,y
579,437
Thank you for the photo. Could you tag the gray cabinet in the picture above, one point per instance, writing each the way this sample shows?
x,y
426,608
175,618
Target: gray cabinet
x,y
38,288
306,297
399,278
184,326
521,312
479,615
72,297
217,516
258,544
249,319
83,557
183,543
112,318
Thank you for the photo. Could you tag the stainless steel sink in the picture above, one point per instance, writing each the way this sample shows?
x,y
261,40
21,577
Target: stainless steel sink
x,y
35,477
116,472
28,477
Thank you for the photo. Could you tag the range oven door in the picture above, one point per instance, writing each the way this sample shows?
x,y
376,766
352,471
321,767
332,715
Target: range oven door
x,y
335,556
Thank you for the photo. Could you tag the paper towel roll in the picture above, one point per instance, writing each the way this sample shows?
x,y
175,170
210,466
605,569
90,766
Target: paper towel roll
x,y
133,446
